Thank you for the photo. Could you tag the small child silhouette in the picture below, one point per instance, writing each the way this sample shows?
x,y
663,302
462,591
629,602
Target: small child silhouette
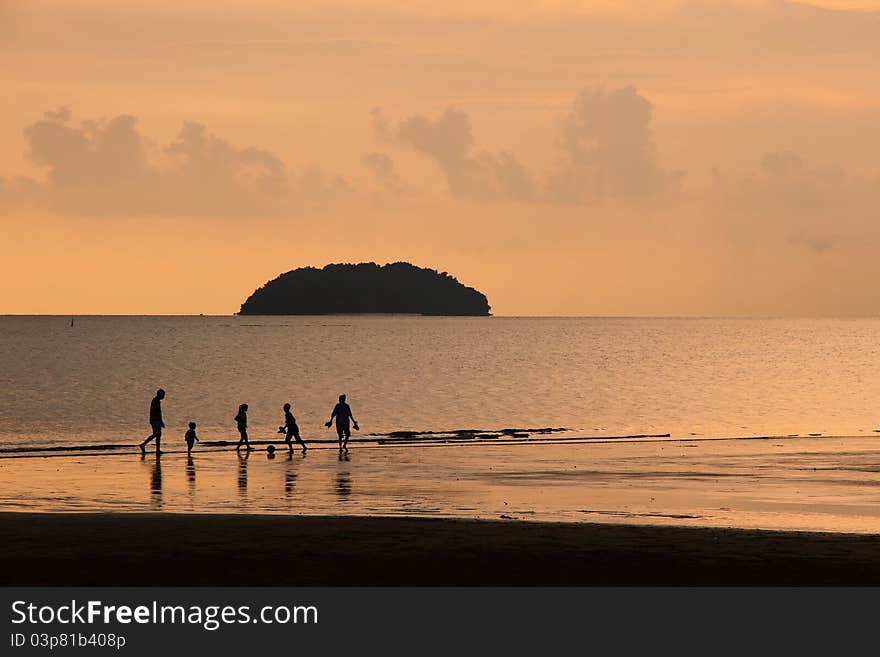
x,y
190,437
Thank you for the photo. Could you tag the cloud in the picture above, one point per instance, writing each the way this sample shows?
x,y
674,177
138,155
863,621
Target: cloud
x,y
314,184
383,170
449,141
100,167
786,184
381,124
817,207
607,149
19,191
106,167
381,165
781,163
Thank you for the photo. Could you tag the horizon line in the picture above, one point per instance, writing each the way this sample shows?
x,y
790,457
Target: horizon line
x,y
418,315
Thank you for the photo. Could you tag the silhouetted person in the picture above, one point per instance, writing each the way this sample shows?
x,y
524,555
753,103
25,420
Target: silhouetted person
x,y
241,423
291,430
342,413
191,438
156,422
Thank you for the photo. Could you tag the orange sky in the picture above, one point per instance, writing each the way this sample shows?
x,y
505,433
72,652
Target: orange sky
x,y
696,157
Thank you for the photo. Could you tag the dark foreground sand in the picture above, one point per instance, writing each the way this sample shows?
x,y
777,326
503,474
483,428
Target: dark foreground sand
x,y
182,549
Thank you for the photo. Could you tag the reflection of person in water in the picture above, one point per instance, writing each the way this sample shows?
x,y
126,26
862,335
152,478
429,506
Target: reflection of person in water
x,y
191,472
242,473
343,485
342,413
241,423
156,483
156,423
291,430
289,476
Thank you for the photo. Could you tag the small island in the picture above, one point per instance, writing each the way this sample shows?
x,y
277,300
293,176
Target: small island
x,y
366,288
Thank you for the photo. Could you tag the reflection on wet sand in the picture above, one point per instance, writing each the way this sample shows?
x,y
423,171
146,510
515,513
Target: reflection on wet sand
x,y
828,483
191,476
343,477
243,473
156,484
289,476
343,484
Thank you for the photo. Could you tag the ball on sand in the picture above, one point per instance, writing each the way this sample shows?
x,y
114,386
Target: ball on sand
x,y
270,449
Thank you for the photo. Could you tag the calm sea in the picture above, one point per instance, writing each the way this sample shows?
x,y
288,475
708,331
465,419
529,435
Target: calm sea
x,y
91,383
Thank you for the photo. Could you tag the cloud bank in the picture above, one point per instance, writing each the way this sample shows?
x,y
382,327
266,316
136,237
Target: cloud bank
x,y
606,150
106,167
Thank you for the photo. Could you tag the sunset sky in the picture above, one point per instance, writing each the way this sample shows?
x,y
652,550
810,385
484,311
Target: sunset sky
x,y
696,157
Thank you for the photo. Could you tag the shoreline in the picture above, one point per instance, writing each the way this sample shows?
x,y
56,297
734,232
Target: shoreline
x,y
218,446
150,549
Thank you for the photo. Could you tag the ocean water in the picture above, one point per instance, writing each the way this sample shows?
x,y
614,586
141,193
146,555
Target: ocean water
x,y
454,416
91,383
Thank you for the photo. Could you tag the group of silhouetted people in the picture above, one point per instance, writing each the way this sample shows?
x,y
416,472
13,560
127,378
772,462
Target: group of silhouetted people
x,y
341,413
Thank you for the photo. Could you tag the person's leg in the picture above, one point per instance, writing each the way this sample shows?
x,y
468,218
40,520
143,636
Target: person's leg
x,y
244,437
339,432
157,431
287,439
347,436
299,440
143,444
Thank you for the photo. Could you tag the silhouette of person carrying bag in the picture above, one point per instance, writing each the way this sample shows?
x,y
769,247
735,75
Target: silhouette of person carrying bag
x,y
342,413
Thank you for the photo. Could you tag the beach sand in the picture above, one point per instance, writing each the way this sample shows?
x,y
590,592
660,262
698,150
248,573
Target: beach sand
x,y
266,550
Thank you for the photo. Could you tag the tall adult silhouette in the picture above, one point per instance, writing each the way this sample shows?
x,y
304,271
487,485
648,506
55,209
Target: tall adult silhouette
x,y
342,413
156,423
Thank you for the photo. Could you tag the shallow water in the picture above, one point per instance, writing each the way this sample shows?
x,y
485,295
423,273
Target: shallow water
x,y
92,382
830,484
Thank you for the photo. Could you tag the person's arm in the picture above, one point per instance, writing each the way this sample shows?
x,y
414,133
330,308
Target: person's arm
x,y
332,415
353,421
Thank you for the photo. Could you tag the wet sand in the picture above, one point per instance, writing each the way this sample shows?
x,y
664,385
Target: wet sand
x,y
264,550
822,484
